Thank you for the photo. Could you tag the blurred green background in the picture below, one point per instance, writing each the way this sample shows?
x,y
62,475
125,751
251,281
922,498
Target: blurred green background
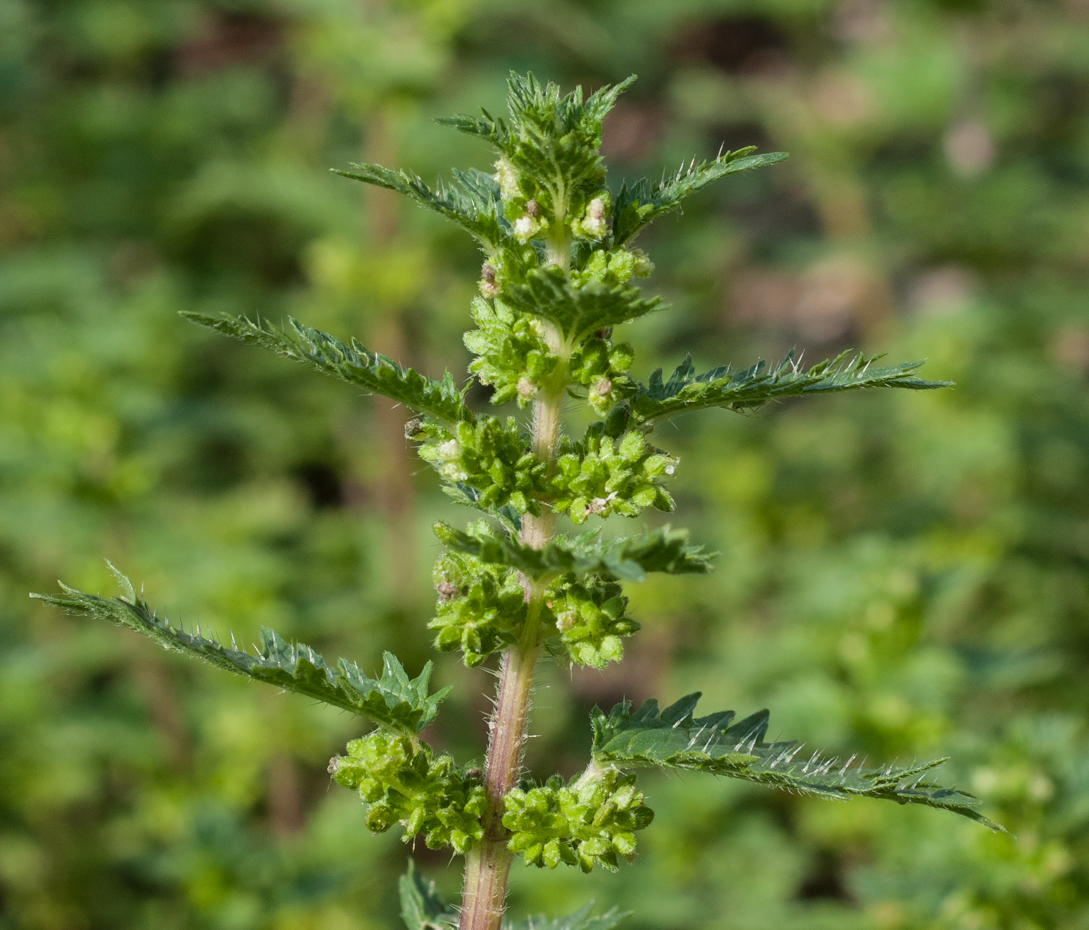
x,y
901,575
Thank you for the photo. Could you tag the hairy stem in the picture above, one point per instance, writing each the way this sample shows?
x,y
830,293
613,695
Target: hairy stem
x,y
488,863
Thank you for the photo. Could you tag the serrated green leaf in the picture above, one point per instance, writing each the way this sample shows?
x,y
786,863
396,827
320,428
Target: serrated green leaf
x,y
642,202
349,362
472,201
628,558
422,907
577,312
393,700
674,739
487,127
757,385
582,919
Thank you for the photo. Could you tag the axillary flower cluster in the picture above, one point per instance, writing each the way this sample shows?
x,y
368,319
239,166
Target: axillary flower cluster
x,y
557,278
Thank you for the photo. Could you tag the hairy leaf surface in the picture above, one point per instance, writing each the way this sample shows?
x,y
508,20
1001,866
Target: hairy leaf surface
x,y
393,700
643,202
759,384
472,201
577,312
628,558
422,907
487,127
582,919
674,739
349,362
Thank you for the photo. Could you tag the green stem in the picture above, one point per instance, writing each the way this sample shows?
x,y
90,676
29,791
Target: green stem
x,y
487,865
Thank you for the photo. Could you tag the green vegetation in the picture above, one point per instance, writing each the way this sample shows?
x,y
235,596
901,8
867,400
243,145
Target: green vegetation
x,y
905,571
556,271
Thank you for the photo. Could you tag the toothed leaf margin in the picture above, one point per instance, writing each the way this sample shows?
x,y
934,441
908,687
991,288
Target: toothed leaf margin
x,y
674,739
393,700
349,362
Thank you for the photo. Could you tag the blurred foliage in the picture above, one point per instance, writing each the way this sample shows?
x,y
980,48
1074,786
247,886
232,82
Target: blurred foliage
x,y
902,576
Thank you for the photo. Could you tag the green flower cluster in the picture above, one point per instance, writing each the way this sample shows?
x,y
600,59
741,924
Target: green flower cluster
x,y
613,267
488,454
403,781
597,476
589,821
481,608
590,617
602,368
510,354
601,475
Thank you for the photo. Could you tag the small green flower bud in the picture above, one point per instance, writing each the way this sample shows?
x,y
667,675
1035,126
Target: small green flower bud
x,y
642,267
621,357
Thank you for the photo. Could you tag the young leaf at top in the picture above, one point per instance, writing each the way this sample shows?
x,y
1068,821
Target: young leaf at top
x,y
674,739
349,362
422,907
582,919
393,701
472,201
756,386
640,204
551,137
627,558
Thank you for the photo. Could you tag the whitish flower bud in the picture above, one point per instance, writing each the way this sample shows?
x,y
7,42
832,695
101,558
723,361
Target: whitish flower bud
x,y
566,620
525,227
593,224
449,453
507,178
526,388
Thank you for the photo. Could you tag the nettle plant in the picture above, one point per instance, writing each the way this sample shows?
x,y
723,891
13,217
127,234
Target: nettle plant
x,y
557,278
